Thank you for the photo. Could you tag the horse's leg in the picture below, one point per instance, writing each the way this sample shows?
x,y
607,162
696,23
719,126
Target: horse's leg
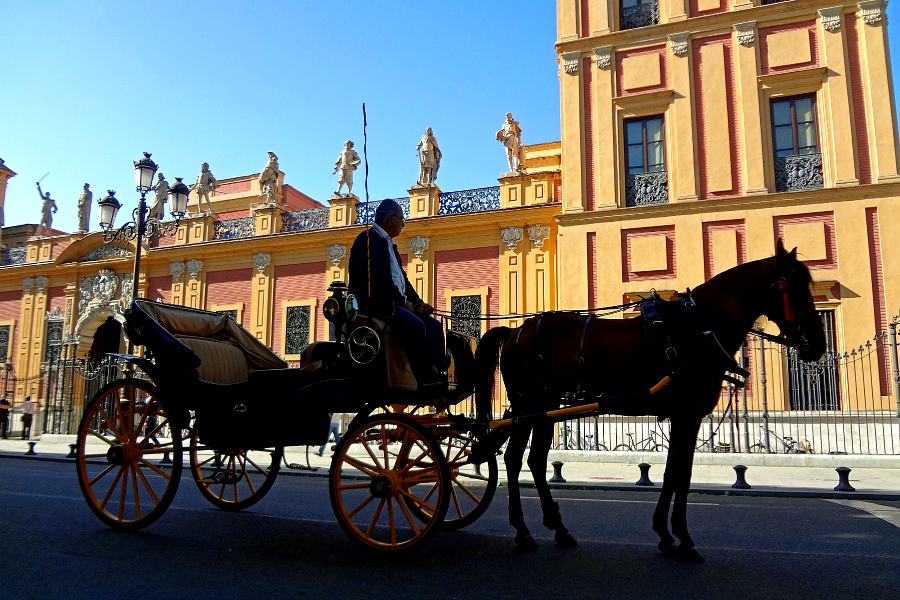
x,y
677,482
515,451
541,438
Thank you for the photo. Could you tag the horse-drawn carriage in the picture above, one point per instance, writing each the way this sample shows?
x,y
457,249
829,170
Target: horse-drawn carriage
x,y
207,387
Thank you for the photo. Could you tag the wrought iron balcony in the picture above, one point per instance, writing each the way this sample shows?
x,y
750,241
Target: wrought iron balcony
x,y
644,189
468,201
13,256
640,15
764,2
232,229
365,211
800,172
304,220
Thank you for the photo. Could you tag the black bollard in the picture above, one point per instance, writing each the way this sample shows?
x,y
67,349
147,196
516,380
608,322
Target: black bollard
x,y
844,476
73,451
741,482
31,451
645,475
166,459
557,472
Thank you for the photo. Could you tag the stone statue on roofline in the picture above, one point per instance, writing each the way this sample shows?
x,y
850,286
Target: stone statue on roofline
x,y
160,193
510,135
84,209
206,185
429,158
347,162
268,180
47,205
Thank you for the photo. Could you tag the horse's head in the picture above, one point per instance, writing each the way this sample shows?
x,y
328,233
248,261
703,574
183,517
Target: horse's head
x,y
789,303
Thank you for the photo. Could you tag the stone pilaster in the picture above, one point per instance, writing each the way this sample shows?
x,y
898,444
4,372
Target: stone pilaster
x,y
261,309
268,218
342,210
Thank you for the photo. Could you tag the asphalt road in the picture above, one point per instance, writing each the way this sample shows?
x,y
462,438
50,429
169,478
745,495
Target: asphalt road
x,y
290,546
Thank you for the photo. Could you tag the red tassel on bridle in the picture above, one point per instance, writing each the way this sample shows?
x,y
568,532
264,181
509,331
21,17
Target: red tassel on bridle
x,y
782,287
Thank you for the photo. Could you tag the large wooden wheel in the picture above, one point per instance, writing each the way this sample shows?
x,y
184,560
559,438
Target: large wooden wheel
x,y
472,488
386,463
233,479
122,456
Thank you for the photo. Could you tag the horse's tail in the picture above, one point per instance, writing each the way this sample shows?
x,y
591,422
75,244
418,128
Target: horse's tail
x,y
486,358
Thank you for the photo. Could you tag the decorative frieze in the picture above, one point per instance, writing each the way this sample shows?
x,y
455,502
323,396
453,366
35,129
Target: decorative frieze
x,y
176,269
336,252
570,62
261,260
106,251
511,236
85,293
538,233
679,43
418,244
831,18
127,287
603,57
105,285
746,33
872,11
194,266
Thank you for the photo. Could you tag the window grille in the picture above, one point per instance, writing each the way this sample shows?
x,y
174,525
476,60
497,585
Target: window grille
x,y
465,314
296,330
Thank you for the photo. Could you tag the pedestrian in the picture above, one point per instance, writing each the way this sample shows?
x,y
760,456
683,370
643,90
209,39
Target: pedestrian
x,y
334,430
4,417
27,409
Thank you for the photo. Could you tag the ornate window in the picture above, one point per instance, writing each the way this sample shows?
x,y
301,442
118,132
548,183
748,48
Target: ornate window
x,y
798,163
465,314
646,181
233,313
638,13
299,318
53,338
5,339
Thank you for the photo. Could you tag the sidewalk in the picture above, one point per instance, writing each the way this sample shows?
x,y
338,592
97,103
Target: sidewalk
x,y
874,477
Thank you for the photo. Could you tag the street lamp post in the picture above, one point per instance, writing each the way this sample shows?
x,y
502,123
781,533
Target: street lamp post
x,y
141,227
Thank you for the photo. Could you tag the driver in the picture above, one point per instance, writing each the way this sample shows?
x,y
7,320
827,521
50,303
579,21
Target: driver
x,y
393,297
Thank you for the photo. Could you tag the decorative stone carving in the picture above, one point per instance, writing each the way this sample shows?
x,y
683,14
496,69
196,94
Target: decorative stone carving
x,y
538,233
511,236
41,283
105,285
429,158
336,252
347,162
176,269
603,56
261,260
56,314
106,251
746,33
127,287
831,18
268,181
679,43
510,135
418,244
206,185
85,292
27,283
872,11
570,62
194,266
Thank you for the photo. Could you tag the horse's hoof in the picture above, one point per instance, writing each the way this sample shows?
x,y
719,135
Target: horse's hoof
x,y
526,543
565,540
668,548
690,555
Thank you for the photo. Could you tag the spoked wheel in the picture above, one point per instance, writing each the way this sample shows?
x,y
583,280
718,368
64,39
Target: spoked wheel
x,y
233,479
127,470
472,487
380,466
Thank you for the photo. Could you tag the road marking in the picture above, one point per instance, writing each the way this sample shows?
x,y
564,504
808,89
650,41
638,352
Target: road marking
x,y
885,513
617,501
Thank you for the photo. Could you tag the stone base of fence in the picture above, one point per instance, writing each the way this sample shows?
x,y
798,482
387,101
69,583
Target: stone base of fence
x,y
854,461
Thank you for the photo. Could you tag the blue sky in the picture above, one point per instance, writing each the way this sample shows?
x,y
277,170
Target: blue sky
x,y
86,87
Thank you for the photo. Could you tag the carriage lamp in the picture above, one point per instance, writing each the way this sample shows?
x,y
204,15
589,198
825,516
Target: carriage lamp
x,y
144,170
338,308
109,207
178,198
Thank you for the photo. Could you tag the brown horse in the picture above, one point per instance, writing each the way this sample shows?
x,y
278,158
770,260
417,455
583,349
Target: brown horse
x,y
552,356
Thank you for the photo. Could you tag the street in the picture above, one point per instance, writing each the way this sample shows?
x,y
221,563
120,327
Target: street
x,y
290,545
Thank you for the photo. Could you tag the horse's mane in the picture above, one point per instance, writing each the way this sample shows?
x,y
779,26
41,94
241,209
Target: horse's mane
x,y
728,278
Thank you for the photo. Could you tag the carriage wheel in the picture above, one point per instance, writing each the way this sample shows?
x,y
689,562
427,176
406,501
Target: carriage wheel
x,y
379,466
233,479
472,488
120,449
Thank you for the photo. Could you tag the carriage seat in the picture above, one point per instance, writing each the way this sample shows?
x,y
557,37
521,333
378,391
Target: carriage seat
x,y
221,361
400,376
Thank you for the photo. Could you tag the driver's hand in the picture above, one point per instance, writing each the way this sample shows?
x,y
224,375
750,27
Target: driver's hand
x,y
408,306
424,309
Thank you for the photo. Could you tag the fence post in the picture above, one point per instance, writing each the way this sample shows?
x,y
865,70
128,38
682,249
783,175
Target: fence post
x,y
765,403
745,363
896,368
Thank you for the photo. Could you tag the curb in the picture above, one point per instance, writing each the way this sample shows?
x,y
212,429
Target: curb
x,y
702,489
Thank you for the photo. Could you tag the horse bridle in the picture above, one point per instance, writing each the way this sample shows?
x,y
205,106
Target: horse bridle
x,y
793,333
